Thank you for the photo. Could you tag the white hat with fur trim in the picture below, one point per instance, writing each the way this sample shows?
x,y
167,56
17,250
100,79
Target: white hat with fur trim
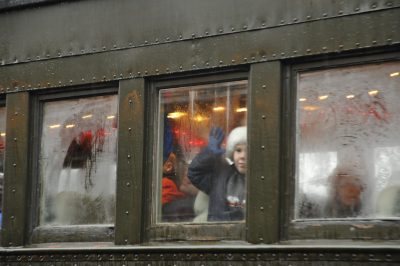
x,y
237,136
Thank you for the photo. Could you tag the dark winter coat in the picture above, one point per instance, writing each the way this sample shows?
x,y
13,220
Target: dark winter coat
x,y
213,175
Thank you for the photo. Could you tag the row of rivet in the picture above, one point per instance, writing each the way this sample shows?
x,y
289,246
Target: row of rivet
x,y
157,41
139,74
290,255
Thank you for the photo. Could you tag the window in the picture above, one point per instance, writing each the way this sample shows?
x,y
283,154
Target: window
x,y
77,155
200,159
347,146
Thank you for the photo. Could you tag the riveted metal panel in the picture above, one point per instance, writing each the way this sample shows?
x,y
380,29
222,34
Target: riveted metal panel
x,y
264,137
95,26
130,162
291,41
16,169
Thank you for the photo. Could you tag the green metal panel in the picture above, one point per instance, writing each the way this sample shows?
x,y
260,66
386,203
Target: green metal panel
x,y
92,26
130,162
318,37
16,169
264,156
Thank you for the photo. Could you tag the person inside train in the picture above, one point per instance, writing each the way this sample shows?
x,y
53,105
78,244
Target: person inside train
x,y
223,180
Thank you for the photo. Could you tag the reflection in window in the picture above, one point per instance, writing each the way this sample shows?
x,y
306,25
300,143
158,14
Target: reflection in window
x,y
198,181
77,164
352,112
2,155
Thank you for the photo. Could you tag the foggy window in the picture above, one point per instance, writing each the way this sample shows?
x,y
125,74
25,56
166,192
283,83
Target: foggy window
x,y
348,144
2,155
77,164
202,149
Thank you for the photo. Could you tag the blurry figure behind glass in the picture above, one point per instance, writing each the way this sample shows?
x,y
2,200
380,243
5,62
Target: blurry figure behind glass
x,y
345,201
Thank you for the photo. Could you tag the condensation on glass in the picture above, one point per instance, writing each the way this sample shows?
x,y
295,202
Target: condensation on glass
x,y
77,164
2,155
192,179
348,144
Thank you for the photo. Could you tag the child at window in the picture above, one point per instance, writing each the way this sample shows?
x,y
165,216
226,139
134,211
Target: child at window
x,y
223,181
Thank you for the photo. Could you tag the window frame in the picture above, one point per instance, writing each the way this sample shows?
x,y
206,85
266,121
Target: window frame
x,y
356,229
70,233
184,231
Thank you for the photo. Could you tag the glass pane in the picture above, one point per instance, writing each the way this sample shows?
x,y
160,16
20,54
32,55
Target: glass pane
x,y
77,162
348,148
198,181
2,155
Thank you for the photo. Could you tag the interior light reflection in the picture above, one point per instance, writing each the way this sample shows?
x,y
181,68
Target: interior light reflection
x,y
243,109
372,93
302,99
87,116
3,134
350,96
111,117
218,108
55,126
176,115
310,107
70,126
395,74
323,97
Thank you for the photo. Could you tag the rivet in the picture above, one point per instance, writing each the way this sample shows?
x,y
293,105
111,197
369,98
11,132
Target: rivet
x,y
232,29
221,30
233,61
70,81
207,63
167,39
308,50
15,139
130,101
12,217
374,42
341,46
145,72
221,62
83,79
295,51
245,59
13,190
357,9
253,58
273,55
295,20
207,32
263,24
129,156
138,73
94,78
262,147
282,54
104,77
324,48
14,164
130,129
308,17
156,40
389,3
193,35
245,27
357,44
389,40
82,51
126,212
324,15
373,6
263,117
264,86
37,57
128,184
146,42
262,177
180,37
282,21
115,46
194,66
167,69
340,12
261,208
126,240
157,70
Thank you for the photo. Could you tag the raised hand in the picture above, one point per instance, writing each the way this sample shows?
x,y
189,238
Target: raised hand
x,y
215,139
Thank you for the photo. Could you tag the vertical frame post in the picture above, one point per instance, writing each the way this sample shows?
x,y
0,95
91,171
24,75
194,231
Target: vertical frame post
x,y
16,169
264,153
130,162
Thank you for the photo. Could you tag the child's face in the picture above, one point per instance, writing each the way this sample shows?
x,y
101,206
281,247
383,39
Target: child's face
x,y
239,158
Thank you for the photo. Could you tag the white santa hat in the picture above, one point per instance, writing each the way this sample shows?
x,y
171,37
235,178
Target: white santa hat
x,y
237,136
